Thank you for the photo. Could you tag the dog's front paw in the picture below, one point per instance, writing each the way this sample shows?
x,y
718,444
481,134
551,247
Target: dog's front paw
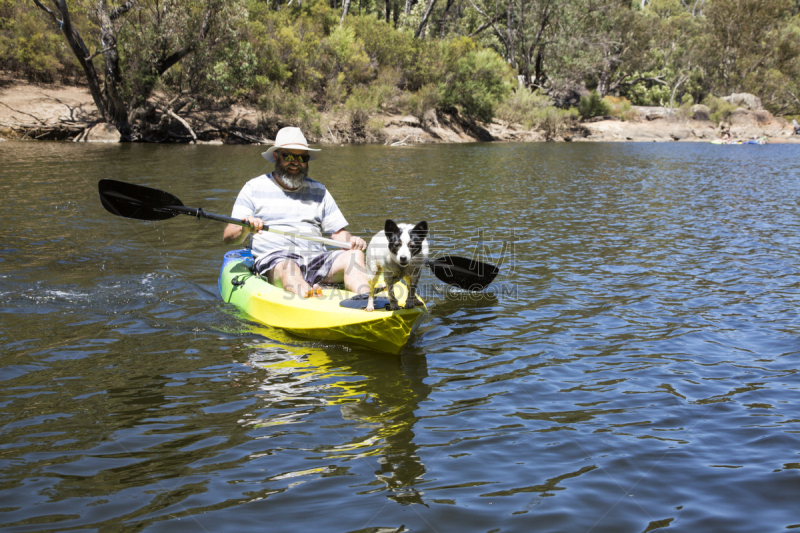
x,y
393,306
410,304
370,308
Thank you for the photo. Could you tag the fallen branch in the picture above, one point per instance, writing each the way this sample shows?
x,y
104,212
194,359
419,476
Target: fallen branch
x,y
402,142
333,136
185,124
248,138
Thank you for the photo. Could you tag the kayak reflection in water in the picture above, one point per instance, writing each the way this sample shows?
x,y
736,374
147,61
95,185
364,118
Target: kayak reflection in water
x,y
287,199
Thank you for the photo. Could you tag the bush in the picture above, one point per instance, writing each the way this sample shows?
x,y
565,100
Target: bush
x,y
655,95
476,80
554,121
720,109
281,108
360,106
593,105
374,130
419,103
619,107
523,107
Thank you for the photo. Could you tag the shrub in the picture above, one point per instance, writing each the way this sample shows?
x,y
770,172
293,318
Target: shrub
x,y
554,121
360,106
720,109
654,95
374,130
522,107
422,101
619,107
476,80
593,106
280,108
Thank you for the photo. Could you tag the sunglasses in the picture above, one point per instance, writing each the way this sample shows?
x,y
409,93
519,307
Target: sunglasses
x,y
291,157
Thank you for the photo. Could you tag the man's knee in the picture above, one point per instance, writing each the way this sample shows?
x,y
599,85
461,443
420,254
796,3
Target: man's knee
x,y
285,267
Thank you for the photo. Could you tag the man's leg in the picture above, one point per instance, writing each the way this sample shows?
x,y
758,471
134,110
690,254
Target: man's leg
x,y
292,279
349,266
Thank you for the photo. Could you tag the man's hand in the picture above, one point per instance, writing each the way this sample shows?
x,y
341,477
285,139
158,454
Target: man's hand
x,y
357,243
256,224
235,234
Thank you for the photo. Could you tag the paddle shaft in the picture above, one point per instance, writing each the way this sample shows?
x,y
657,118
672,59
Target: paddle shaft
x,y
200,213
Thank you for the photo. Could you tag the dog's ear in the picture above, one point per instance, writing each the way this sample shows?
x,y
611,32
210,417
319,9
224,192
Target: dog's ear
x,y
390,228
420,231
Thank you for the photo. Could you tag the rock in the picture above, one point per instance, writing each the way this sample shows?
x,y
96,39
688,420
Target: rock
x,y
764,117
102,133
745,100
601,118
701,112
746,117
681,134
568,95
429,120
651,112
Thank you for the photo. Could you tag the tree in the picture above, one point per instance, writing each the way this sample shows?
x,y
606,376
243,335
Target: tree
x,y
158,34
744,37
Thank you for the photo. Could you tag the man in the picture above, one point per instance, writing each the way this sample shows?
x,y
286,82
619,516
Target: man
x,y
289,200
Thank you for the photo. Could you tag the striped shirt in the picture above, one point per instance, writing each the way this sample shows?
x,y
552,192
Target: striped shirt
x,y
310,210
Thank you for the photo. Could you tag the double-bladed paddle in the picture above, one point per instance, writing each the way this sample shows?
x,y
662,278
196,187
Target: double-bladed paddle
x,y
143,203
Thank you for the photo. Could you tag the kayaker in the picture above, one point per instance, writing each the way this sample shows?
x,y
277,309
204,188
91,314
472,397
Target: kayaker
x,y
289,200
796,127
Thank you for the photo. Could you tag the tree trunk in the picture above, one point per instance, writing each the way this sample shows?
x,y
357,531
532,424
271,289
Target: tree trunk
x,y
116,110
510,34
443,28
425,17
81,52
345,9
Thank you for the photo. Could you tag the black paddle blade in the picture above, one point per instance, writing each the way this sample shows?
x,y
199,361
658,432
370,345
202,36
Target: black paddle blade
x,y
134,201
464,273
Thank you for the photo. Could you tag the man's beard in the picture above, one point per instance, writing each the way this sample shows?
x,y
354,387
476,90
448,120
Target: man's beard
x,y
292,181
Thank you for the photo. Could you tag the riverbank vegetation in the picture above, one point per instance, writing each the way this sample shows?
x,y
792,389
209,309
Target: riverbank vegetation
x,y
324,63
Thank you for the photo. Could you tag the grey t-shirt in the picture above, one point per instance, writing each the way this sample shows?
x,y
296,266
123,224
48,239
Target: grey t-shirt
x,y
309,210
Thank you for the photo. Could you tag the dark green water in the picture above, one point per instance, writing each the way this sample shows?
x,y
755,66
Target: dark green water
x,y
634,368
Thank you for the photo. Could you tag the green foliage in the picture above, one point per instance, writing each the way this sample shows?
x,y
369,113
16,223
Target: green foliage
x,y
720,109
535,110
593,105
645,53
360,106
554,121
476,80
422,101
620,107
281,108
30,46
524,107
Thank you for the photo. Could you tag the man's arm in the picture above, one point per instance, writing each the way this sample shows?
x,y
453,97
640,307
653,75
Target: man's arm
x,y
356,243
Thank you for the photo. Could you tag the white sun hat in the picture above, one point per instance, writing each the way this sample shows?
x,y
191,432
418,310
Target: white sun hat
x,y
290,139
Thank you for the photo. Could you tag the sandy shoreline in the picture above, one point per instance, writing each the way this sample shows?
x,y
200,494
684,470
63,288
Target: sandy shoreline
x,y
38,111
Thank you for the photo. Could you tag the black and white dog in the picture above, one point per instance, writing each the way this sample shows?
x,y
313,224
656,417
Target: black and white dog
x,y
397,252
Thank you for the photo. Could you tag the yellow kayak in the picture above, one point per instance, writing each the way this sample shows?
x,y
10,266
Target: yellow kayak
x,y
324,317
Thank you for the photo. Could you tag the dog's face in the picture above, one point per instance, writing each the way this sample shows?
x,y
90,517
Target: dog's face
x,y
405,244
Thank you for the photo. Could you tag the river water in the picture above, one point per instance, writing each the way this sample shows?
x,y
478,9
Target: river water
x,y
633,368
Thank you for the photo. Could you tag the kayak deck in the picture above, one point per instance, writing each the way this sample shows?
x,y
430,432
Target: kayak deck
x,y
321,317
